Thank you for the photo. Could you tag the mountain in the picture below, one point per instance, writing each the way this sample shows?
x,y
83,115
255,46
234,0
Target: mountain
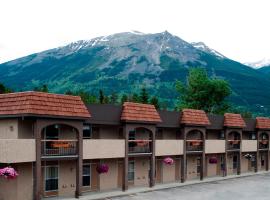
x,y
259,64
265,69
124,62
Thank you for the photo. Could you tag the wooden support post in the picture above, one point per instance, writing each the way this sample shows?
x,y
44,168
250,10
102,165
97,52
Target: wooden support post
x,y
79,166
125,163
184,161
37,182
153,161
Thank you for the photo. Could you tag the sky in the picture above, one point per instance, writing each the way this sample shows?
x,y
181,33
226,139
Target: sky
x,y
239,29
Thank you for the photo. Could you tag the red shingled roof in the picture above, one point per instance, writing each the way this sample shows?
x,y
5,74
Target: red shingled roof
x,y
40,103
234,120
139,112
262,122
194,117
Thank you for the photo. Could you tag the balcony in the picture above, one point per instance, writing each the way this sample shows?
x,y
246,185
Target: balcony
x,y
249,145
215,146
233,145
103,148
169,147
263,144
59,148
139,146
17,150
194,145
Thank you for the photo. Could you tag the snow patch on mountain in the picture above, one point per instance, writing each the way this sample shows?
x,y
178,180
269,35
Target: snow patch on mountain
x,y
258,64
203,47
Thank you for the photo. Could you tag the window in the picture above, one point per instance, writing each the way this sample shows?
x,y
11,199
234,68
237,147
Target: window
x,y
262,160
131,170
87,131
253,136
222,135
51,178
86,175
52,132
131,135
198,165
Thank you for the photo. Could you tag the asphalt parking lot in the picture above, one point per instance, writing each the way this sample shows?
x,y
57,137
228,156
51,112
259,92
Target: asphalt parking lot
x,y
245,188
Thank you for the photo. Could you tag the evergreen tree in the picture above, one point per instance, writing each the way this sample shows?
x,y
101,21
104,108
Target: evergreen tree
x,y
135,98
114,98
124,98
154,101
144,95
106,100
2,89
101,97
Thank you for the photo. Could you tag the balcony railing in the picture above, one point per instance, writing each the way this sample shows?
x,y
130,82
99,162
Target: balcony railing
x,y
233,145
59,147
139,146
194,145
263,144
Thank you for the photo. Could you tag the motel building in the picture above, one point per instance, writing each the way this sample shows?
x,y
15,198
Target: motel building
x,y
61,147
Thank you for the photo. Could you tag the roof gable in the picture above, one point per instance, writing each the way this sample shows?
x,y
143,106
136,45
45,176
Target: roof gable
x,y
234,120
262,122
40,103
140,113
194,117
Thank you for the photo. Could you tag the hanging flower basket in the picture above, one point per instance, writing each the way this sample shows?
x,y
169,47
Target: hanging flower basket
x,y
168,161
213,160
248,156
8,173
102,168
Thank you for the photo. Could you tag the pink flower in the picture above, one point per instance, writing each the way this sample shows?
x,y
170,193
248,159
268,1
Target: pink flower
x,y
168,161
8,173
102,168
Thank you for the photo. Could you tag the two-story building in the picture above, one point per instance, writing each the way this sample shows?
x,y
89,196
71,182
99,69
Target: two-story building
x,y
57,144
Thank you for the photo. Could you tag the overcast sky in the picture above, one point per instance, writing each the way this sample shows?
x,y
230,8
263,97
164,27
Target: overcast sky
x,y
239,29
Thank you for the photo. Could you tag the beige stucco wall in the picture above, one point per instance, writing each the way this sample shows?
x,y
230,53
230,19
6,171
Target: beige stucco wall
x,y
191,167
67,178
169,147
109,180
17,150
103,148
20,188
168,174
141,171
9,129
244,164
230,170
215,146
211,167
249,145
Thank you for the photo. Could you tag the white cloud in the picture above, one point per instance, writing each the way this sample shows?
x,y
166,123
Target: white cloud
x,y
238,29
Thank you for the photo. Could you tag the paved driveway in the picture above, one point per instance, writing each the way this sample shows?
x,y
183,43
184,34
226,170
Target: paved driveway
x,y
246,188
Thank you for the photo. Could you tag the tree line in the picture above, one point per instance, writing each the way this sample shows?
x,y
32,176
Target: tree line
x,y
200,91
